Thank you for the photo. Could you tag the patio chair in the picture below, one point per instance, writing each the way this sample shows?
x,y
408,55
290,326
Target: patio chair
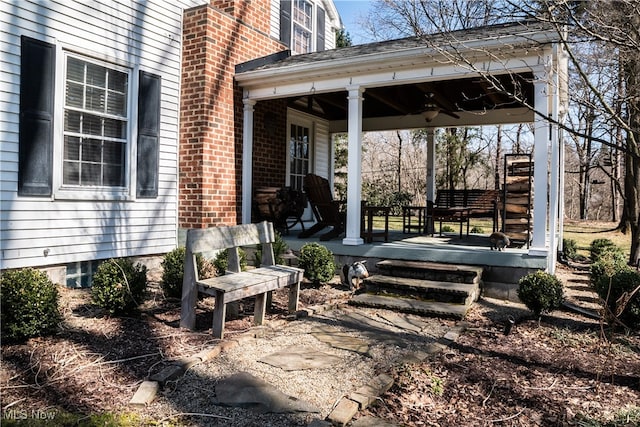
x,y
327,211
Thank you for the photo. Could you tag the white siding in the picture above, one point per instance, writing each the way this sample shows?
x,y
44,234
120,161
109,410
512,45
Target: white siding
x,y
143,35
322,150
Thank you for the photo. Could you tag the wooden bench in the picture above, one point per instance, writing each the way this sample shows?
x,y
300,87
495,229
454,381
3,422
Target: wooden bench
x,y
235,284
461,205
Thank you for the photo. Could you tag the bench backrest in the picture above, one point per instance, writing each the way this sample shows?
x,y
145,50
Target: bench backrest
x,y
472,198
231,238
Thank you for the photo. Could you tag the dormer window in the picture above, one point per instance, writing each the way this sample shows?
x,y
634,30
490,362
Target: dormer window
x,y
302,26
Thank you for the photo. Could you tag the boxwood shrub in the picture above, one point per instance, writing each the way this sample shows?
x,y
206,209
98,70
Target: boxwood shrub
x,y
173,271
119,285
29,304
318,262
541,292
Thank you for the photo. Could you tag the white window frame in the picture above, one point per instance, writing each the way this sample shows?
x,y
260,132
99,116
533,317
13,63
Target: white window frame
x,y
305,122
311,30
65,192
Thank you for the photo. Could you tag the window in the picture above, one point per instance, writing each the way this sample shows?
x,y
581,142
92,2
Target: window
x,y
92,147
95,124
299,148
80,274
302,26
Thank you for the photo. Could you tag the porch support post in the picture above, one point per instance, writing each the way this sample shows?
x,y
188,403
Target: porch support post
x,y
554,184
247,159
354,167
431,164
542,135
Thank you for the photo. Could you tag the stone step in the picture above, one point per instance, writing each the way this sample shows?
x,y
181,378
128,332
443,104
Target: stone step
x,y
431,271
452,292
410,305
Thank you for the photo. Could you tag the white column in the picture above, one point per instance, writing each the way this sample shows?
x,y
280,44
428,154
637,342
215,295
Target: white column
x,y
554,182
354,167
542,130
247,159
431,164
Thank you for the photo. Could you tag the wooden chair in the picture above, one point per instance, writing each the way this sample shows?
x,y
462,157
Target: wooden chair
x,y
327,211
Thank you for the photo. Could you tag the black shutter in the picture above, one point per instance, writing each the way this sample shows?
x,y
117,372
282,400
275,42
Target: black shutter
x,y
148,147
320,29
35,149
285,22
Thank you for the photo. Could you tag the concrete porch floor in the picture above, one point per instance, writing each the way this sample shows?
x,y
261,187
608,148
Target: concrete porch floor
x,y
502,270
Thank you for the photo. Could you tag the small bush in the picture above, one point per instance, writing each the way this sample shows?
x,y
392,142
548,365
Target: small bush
x,y
601,246
541,292
279,248
447,229
617,291
477,230
318,262
119,285
607,264
570,248
29,304
173,271
221,261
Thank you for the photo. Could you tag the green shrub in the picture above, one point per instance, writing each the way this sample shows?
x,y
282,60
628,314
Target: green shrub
x,y
119,285
601,246
616,291
173,271
541,292
447,229
606,265
477,230
29,304
221,261
279,248
570,248
318,262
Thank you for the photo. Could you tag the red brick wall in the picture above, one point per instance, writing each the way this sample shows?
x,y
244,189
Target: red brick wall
x,y
210,154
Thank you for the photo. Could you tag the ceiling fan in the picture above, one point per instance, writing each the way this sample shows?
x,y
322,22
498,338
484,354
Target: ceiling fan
x,y
432,108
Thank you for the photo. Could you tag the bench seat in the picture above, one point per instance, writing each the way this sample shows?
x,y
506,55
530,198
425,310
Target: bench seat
x,y
235,284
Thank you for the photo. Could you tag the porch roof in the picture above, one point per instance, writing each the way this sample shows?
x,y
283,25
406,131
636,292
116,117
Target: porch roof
x,y
402,77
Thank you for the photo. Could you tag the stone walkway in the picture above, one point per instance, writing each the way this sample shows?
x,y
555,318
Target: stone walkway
x,y
328,364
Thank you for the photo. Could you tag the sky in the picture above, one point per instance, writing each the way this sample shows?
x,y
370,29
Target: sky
x,y
351,11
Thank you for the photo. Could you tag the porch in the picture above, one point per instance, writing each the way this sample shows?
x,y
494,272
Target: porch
x,y
502,270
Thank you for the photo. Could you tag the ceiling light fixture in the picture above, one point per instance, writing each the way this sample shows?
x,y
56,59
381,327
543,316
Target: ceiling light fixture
x,y
430,113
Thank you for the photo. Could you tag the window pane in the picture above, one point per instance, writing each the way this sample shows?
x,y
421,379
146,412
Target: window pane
x,y
91,125
71,173
96,75
116,104
95,99
74,95
71,148
90,174
113,153
91,150
75,70
118,81
113,176
72,121
114,128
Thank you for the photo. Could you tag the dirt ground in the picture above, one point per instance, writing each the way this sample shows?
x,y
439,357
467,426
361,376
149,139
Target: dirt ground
x,y
566,370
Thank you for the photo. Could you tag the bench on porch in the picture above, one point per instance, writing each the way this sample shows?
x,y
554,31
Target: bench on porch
x,y
461,205
235,284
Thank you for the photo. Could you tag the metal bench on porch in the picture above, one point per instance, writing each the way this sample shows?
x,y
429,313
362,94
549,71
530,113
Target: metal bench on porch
x,y
235,285
461,205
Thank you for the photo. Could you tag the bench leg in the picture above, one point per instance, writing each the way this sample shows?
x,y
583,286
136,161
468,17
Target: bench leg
x,y
294,291
219,312
260,309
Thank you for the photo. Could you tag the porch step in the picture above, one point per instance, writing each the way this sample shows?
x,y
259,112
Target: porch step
x,y
453,292
410,305
422,288
431,271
